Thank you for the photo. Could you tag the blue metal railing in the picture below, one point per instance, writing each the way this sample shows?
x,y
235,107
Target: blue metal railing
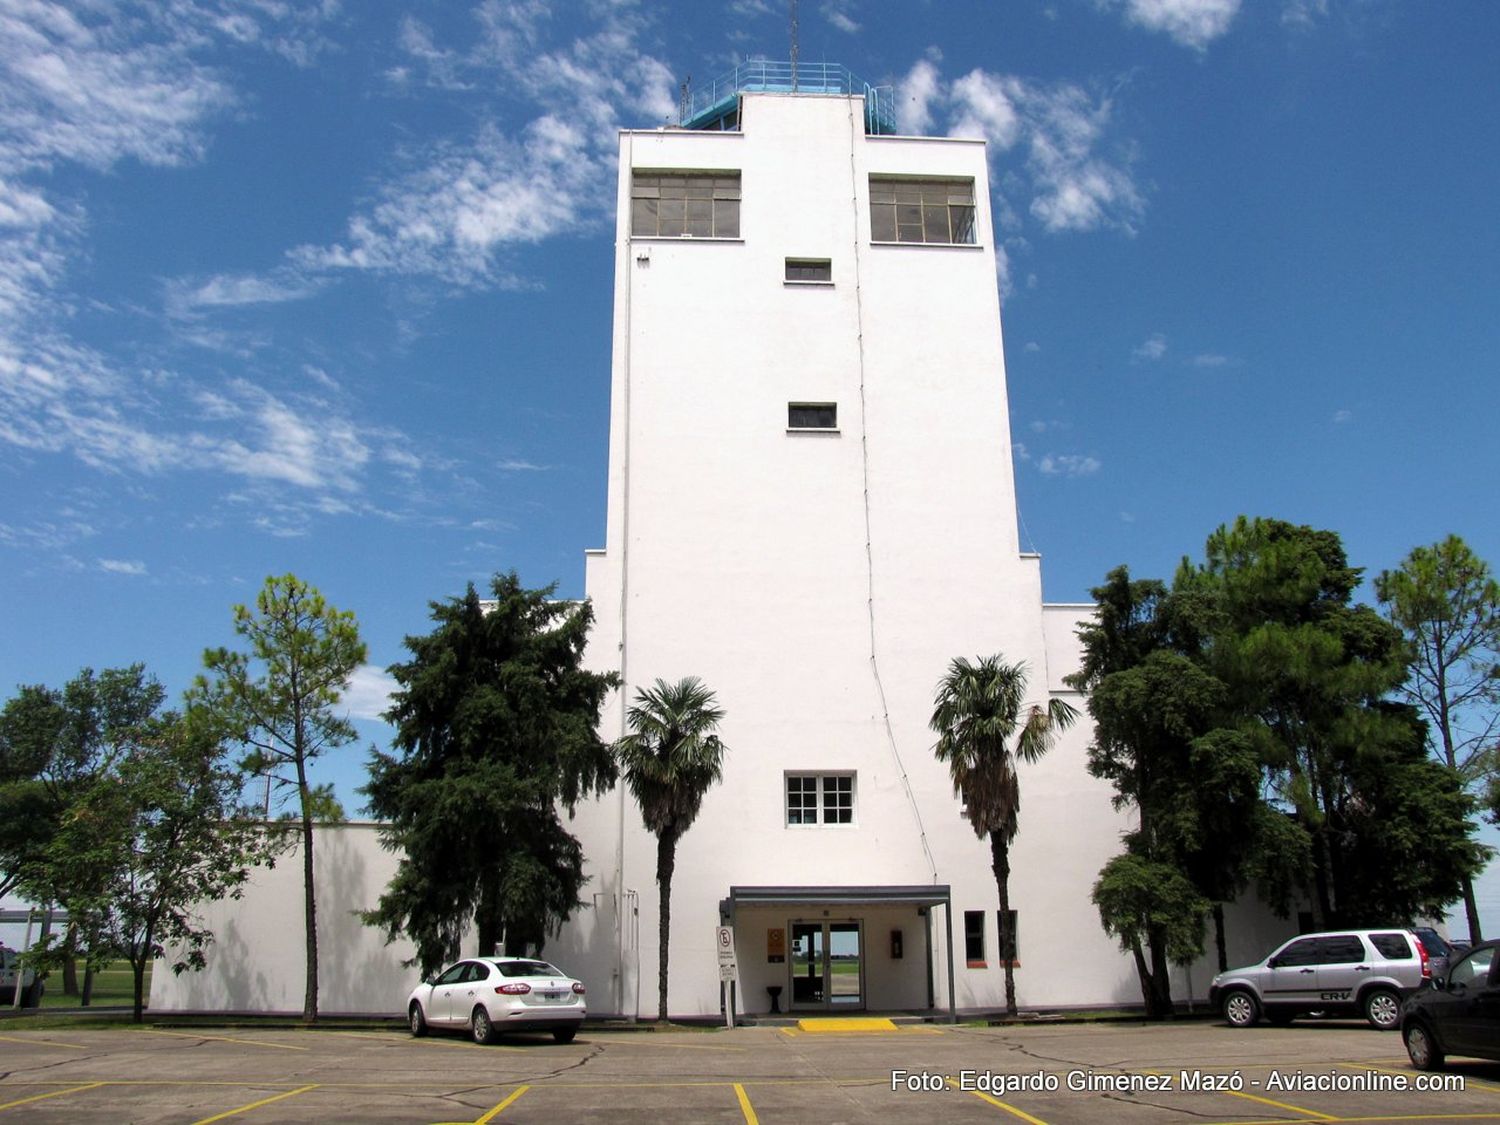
x,y
709,104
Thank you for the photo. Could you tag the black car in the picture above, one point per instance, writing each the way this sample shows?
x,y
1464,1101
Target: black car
x,y
1459,1014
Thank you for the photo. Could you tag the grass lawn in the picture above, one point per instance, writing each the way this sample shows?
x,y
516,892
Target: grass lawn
x,y
113,987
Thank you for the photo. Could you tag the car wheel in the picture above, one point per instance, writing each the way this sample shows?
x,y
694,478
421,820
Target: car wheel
x,y
1422,1048
484,1029
1240,1009
564,1034
418,1020
1383,1009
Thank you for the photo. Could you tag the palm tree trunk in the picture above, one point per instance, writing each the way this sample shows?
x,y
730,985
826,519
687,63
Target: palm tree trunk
x,y
1000,864
666,862
1219,937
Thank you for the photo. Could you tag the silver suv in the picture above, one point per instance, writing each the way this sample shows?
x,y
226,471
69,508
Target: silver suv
x,y
1354,972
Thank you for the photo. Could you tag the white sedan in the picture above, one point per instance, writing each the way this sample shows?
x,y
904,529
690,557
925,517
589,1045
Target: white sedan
x,y
492,995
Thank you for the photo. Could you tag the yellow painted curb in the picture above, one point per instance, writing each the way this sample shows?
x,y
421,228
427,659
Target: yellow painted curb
x,y
847,1023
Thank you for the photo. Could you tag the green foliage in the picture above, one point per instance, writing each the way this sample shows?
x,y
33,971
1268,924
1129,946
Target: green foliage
x,y
54,743
1446,602
279,702
146,840
495,725
670,758
984,726
1140,899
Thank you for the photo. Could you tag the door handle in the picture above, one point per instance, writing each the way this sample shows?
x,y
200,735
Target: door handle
x,y
1306,970
1361,968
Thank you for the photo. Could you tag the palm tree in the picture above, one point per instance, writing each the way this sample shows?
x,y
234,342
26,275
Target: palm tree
x,y
670,759
979,710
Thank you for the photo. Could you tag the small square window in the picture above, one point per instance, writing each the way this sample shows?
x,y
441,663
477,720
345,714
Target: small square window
x,y
812,416
809,269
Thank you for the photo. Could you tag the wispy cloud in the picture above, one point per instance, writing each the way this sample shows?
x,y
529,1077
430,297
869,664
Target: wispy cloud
x,y
1192,23
131,568
1068,465
1075,176
1151,349
1342,416
513,465
188,297
369,692
839,14
1210,359
453,212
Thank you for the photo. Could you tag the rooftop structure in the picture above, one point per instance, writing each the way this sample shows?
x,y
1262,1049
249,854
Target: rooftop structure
x,y
717,105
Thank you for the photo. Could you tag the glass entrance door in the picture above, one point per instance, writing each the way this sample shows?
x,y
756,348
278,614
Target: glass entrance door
x,y
827,965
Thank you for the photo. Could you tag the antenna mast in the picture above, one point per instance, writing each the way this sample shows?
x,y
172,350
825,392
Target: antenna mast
x,y
794,46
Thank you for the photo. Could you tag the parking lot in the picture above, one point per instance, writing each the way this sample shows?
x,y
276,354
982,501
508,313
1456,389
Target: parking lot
x,y
1046,1074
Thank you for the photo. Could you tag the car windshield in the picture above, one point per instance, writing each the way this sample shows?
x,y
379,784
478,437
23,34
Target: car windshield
x,y
527,969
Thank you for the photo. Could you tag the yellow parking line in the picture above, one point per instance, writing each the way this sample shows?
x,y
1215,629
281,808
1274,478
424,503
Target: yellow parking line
x,y
1311,1113
994,1101
223,1039
256,1105
54,1094
744,1099
790,1032
41,1042
499,1109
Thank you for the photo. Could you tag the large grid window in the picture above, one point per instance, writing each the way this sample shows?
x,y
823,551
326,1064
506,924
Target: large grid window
x,y
685,205
934,211
820,798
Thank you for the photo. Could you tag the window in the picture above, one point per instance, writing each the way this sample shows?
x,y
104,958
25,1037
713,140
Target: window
x,y
1342,950
936,211
685,205
1008,949
820,798
812,416
974,938
1301,952
1393,947
809,269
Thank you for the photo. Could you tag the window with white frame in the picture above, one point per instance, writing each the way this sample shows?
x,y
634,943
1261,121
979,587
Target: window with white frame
x,y
685,205
820,798
933,211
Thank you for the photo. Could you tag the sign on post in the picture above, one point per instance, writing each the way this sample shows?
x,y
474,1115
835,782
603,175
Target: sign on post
x,y
724,942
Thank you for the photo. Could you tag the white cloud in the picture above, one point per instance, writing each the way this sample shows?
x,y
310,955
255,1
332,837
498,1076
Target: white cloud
x,y
1073,183
1303,15
185,298
1021,452
1150,349
57,397
837,13
132,568
369,692
1068,465
515,465
1192,23
1342,416
918,90
1032,346
1210,359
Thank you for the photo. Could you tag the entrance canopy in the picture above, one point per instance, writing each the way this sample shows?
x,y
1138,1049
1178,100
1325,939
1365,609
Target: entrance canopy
x,y
924,895
920,895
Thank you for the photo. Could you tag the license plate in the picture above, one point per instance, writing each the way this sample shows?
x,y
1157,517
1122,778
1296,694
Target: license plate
x,y
554,995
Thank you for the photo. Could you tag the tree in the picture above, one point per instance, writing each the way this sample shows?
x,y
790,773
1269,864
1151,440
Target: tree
x,y
279,701
979,710
670,759
1446,602
146,841
1309,674
496,726
53,744
1160,738
1146,904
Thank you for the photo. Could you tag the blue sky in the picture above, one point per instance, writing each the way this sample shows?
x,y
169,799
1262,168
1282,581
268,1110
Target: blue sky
x,y
325,288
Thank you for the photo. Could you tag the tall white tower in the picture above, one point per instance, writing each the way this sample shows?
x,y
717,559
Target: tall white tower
x,y
812,508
